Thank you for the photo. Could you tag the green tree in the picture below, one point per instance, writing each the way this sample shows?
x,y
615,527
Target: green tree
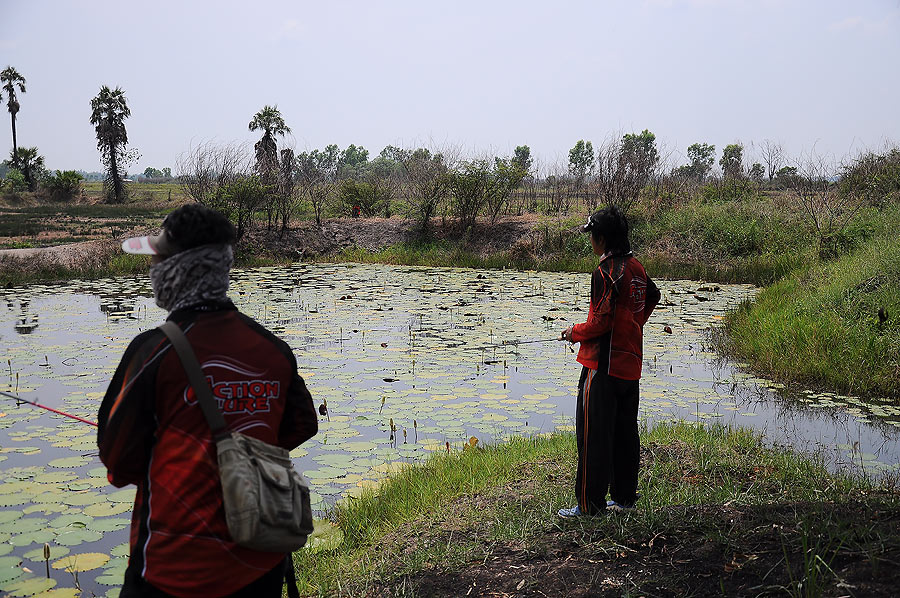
x,y
427,183
108,113
701,156
522,159
11,79
470,184
354,156
317,174
29,163
732,161
581,160
757,172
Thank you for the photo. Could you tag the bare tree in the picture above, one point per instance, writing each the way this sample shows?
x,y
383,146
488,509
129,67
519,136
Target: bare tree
x,y
824,207
427,182
625,165
219,177
772,156
207,168
559,189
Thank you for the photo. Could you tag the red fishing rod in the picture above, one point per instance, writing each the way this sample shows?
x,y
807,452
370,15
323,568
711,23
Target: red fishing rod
x,y
20,399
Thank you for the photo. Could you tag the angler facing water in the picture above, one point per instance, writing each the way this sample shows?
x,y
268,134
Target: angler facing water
x,y
606,427
153,434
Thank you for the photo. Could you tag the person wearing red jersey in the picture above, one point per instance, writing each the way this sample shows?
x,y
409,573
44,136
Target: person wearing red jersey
x,y
606,426
152,432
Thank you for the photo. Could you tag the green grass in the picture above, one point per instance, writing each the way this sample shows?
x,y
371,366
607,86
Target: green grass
x,y
455,255
820,325
458,505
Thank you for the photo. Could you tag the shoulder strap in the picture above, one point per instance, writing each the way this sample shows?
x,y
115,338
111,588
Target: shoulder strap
x,y
195,376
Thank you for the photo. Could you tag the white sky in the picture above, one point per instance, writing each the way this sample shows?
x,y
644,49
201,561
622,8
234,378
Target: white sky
x,y
482,75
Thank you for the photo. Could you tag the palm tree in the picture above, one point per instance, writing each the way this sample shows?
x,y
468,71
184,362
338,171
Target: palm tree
x,y
268,119
11,79
108,113
28,162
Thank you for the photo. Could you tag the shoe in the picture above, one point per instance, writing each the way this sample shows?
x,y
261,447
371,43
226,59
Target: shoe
x,y
612,505
571,513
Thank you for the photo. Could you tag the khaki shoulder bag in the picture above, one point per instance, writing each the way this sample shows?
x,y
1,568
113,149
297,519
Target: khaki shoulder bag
x,y
267,504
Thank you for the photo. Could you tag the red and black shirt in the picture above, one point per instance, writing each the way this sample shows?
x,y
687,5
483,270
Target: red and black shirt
x,y
622,299
152,433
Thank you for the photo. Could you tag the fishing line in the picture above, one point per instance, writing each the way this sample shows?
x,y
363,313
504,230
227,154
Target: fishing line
x,y
57,411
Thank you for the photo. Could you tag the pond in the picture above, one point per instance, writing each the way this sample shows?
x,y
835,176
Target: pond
x,y
407,360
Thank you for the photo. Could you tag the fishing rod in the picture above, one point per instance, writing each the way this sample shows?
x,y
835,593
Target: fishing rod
x,y
508,344
57,411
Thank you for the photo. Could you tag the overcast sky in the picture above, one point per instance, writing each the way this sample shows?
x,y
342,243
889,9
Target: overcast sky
x,y
484,76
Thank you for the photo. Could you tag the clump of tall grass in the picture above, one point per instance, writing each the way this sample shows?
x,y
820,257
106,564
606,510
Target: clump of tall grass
x,y
833,323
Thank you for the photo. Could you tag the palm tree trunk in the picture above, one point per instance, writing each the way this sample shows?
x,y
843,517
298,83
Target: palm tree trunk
x,y
12,117
114,173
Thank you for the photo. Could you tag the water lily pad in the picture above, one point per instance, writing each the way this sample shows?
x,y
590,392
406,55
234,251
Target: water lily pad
x,y
56,552
109,524
60,593
69,462
74,537
105,509
40,536
84,561
29,586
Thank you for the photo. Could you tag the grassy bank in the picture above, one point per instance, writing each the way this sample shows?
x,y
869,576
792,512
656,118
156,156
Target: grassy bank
x,y
737,517
821,325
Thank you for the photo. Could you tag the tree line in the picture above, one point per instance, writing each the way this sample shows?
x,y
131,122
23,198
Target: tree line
x,y
421,183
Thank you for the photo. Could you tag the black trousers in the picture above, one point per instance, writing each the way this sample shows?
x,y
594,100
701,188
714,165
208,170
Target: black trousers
x,y
268,586
609,445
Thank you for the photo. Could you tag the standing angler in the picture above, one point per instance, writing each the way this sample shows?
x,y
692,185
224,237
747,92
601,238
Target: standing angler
x,y
152,432
606,427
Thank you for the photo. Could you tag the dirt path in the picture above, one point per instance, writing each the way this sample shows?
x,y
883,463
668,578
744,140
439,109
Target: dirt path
x,y
69,255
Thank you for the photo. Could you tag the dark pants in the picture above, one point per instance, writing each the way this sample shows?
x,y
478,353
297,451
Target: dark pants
x,y
606,429
267,586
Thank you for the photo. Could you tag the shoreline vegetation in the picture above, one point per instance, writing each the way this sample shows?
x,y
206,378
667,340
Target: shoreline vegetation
x,y
818,322
720,513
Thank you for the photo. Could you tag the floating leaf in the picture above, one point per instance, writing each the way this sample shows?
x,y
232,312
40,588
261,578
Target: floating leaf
x,y
84,561
75,537
30,586
104,509
69,462
37,554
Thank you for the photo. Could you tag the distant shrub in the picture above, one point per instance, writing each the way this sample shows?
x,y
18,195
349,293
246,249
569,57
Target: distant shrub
x,y
874,178
14,181
63,185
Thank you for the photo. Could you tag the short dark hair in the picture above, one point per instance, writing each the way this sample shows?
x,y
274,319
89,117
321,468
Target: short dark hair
x,y
611,224
193,225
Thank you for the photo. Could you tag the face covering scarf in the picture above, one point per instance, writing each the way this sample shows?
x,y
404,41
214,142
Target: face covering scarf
x,y
192,277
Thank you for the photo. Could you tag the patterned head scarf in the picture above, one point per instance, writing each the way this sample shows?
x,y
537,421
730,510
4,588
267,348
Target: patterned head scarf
x,y
192,277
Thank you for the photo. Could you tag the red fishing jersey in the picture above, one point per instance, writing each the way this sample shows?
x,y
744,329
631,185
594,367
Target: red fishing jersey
x,y
622,299
152,433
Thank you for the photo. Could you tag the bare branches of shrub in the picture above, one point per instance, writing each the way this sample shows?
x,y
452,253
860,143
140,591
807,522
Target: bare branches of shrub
x,y
823,206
